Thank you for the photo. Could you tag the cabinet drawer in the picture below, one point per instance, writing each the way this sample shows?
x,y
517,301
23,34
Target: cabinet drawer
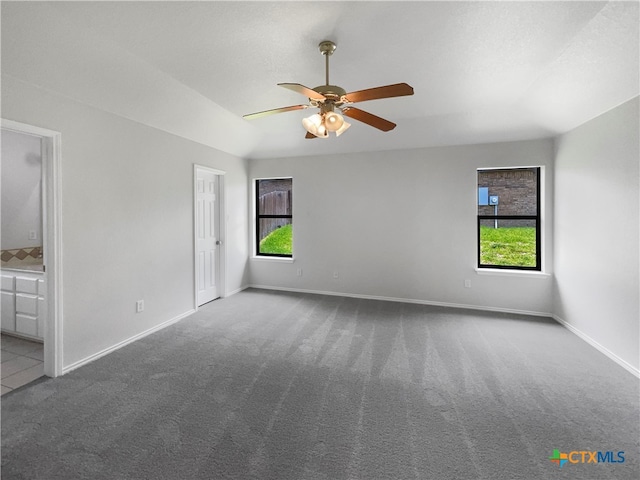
x,y
27,285
27,304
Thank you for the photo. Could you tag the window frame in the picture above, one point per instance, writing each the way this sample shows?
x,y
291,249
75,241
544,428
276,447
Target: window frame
x,y
536,218
259,216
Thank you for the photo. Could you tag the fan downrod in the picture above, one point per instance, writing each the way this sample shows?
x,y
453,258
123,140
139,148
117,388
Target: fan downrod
x,y
326,47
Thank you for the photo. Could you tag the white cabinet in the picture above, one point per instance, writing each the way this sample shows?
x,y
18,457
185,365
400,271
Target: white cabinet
x,y
8,310
23,303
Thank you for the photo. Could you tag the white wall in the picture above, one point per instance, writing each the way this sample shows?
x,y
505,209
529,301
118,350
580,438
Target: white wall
x,y
127,218
21,190
596,230
402,224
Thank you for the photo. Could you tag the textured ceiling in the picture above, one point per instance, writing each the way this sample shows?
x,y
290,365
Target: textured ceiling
x,y
482,71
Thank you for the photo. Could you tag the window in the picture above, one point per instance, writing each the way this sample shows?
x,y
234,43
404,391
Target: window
x,y
509,218
274,217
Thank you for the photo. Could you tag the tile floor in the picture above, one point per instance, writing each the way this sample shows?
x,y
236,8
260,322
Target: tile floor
x,y
22,362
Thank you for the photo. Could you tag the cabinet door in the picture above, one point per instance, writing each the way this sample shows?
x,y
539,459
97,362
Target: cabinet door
x,y
8,311
42,316
8,283
26,324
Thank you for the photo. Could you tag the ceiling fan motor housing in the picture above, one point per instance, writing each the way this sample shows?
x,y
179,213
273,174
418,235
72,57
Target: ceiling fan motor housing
x,y
332,93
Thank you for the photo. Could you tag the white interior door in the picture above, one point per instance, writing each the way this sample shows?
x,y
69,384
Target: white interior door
x,y
207,236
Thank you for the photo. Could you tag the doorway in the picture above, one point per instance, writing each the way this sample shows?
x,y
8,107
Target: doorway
x,y
209,225
51,305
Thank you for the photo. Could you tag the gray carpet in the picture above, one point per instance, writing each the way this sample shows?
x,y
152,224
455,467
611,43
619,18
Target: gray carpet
x,y
271,385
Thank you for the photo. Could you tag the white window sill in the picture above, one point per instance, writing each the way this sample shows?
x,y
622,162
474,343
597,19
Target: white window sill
x,y
272,259
512,273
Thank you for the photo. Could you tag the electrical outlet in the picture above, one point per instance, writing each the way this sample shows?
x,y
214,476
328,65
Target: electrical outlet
x,y
299,272
335,274
33,235
467,284
139,306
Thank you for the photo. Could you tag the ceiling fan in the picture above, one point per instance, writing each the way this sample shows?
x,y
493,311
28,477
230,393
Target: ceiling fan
x,y
329,98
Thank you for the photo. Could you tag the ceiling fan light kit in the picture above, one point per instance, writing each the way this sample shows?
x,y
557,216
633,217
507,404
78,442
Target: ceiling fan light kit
x,y
333,121
315,125
327,98
342,129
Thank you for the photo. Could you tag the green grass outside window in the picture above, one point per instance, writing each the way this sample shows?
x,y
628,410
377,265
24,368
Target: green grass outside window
x,y
279,242
509,246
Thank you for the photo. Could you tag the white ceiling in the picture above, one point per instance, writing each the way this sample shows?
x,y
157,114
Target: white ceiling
x,y
482,71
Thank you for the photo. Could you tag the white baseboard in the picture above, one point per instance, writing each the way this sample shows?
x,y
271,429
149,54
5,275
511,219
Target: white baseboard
x,y
31,338
407,300
237,290
602,349
119,345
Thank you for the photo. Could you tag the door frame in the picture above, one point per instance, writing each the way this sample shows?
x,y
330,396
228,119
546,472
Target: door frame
x,y
52,235
222,220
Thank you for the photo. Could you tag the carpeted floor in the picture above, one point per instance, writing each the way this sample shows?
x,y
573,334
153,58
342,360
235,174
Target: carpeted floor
x,y
272,385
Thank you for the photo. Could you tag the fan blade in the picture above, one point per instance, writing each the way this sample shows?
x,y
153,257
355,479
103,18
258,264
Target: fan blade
x,y
388,91
306,91
251,116
310,135
369,119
